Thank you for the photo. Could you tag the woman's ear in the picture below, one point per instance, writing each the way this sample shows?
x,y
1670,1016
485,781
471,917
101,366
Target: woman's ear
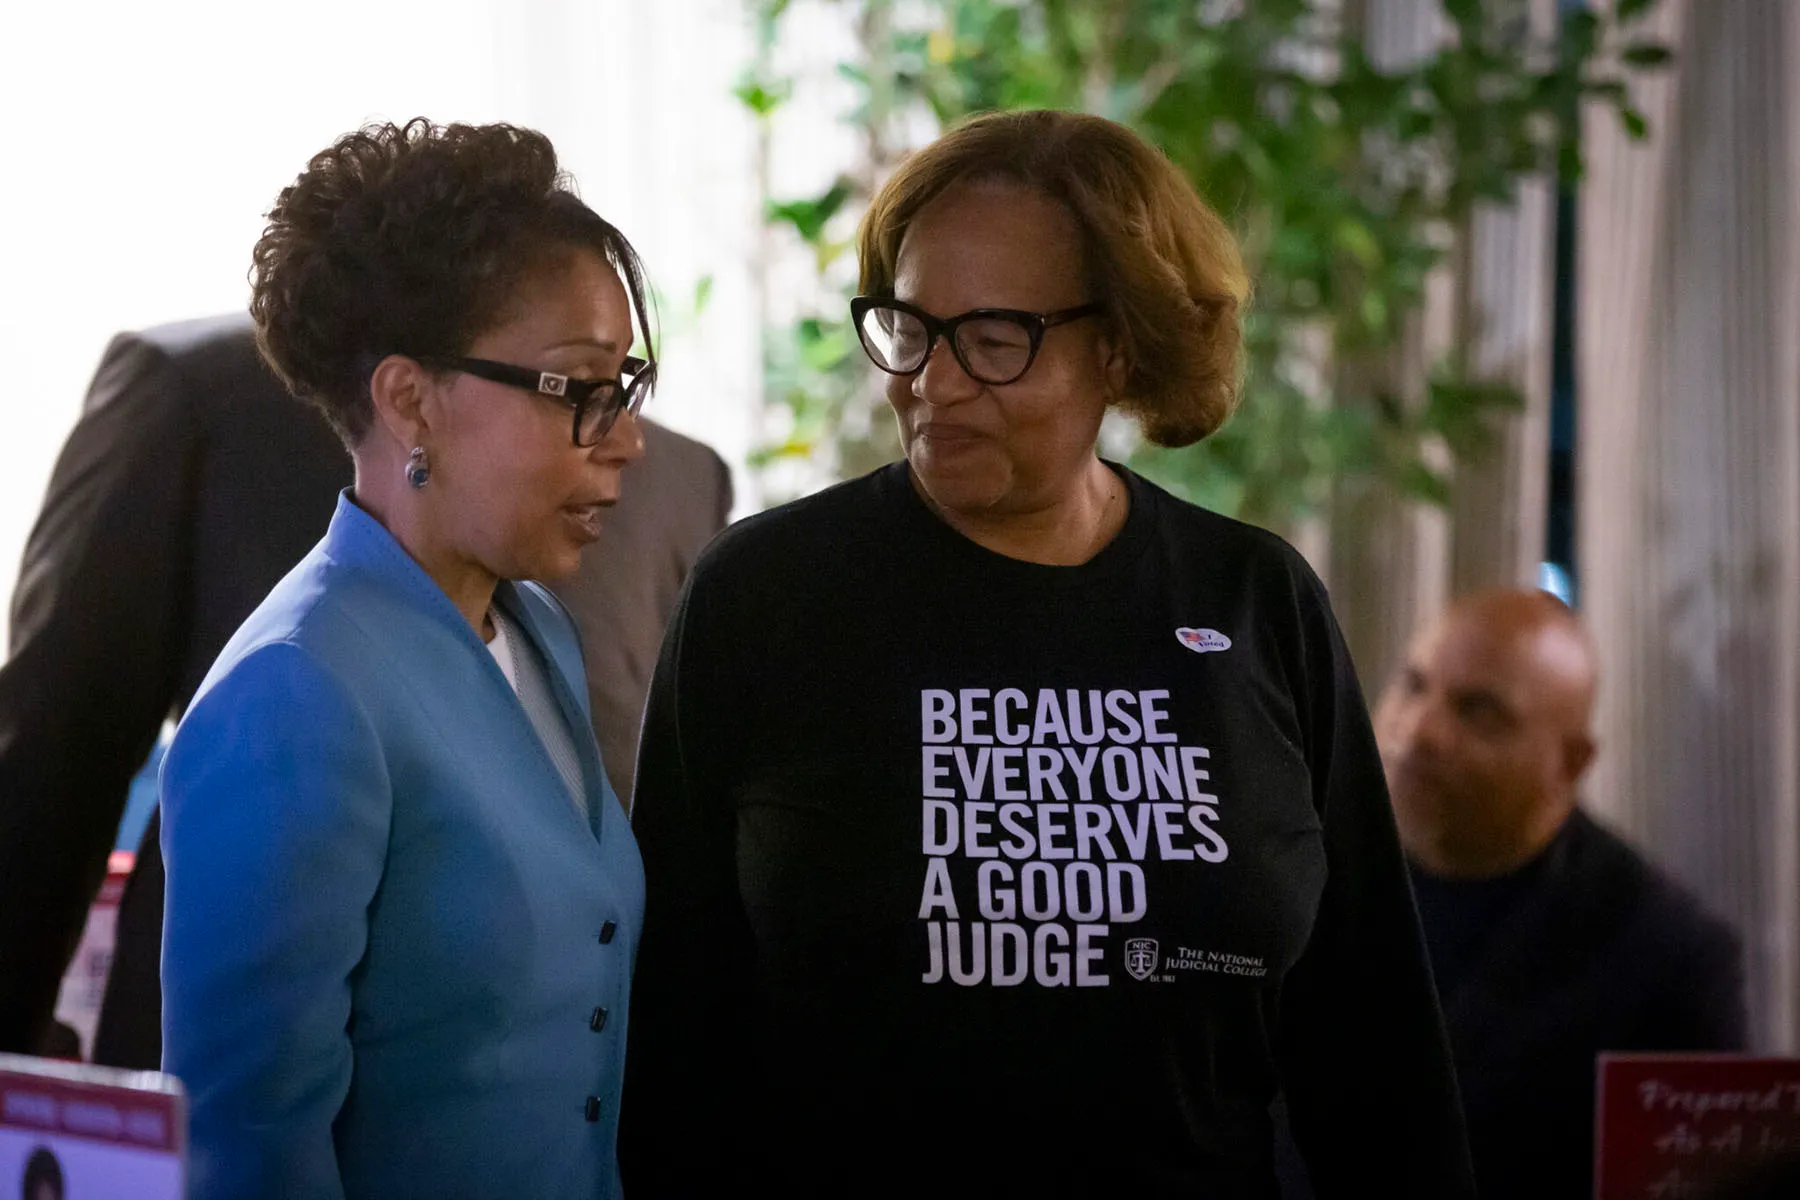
x,y
401,391
1115,365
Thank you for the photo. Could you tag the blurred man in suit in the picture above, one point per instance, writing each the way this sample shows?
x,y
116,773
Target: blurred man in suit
x,y
190,485
674,499
1551,940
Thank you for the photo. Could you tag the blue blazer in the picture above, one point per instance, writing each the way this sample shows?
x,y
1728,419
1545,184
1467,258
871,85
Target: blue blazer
x,y
396,960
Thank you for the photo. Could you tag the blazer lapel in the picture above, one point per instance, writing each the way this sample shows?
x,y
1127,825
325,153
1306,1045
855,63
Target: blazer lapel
x,y
528,605
356,540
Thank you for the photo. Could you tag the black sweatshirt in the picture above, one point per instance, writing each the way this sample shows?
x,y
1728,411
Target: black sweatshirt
x,y
971,876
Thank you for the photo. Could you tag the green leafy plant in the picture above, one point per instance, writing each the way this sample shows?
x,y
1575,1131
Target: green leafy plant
x,y
1349,182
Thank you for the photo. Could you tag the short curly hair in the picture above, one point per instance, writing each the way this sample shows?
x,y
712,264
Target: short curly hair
x,y
412,239
1164,266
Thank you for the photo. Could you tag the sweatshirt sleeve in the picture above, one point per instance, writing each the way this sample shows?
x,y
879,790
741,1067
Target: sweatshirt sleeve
x,y
276,807
689,1070
1365,1062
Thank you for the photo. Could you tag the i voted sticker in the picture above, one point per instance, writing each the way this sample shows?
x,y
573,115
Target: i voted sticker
x,y
1202,641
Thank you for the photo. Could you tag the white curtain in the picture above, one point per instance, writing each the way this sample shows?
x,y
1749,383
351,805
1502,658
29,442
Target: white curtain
x,y
147,140
1689,473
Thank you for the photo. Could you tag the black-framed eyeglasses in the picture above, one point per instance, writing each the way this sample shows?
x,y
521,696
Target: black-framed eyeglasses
x,y
994,345
597,402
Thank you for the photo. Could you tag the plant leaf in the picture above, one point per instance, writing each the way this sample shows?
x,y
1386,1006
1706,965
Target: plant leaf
x,y
1418,480
1647,54
809,217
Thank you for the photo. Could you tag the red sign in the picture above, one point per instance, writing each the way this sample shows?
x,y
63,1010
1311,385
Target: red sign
x,y
1669,1125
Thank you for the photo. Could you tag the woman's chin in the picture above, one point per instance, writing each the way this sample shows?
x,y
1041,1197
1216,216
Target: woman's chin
x,y
552,564
565,565
960,483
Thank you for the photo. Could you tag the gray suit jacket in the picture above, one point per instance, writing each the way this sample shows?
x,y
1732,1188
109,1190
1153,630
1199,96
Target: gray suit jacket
x,y
674,500
190,485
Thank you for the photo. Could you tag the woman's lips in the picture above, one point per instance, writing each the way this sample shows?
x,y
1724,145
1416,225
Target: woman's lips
x,y
949,434
585,520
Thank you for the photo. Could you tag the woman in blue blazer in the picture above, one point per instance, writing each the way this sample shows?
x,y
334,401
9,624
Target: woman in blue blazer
x,y
402,902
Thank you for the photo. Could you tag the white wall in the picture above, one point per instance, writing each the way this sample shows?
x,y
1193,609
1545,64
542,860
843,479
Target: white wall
x,y
145,140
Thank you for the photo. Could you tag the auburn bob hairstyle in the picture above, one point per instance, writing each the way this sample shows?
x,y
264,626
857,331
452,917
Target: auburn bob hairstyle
x,y
1161,263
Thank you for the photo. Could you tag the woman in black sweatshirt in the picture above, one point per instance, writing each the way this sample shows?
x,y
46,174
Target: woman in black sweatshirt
x,y
1012,827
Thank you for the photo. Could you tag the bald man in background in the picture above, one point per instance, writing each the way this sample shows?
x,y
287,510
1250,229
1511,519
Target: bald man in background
x,y
1551,939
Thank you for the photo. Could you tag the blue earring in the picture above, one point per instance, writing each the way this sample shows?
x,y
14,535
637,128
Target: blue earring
x,y
418,468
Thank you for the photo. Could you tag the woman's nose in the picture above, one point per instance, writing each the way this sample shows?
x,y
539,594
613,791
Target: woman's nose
x,y
624,442
942,379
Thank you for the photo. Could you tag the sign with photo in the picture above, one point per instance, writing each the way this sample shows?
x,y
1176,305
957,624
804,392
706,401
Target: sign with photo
x,y
75,1132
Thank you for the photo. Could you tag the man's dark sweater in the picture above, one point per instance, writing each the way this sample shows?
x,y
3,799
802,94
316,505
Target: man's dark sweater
x,y
1587,948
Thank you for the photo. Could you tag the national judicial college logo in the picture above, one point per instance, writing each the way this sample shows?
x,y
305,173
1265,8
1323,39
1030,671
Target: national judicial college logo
x,y
1140,958
1202,641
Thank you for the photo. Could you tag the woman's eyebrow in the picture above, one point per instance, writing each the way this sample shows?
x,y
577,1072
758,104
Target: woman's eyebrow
x,y
609,346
